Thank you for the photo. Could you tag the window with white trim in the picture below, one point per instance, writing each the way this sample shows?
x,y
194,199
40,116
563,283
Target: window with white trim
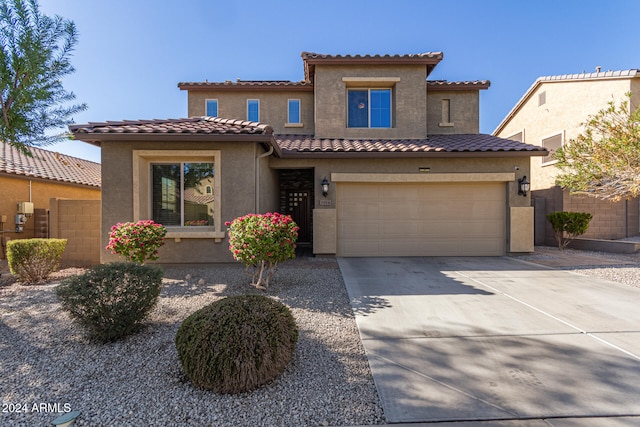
x,y
369,108
551,143
211,107
293,112
253,110
179,189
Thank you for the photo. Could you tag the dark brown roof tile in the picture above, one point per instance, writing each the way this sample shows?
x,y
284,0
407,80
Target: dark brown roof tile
x,y
457,143
194,125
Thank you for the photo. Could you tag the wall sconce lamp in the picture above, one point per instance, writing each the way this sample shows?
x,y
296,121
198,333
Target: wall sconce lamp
x,y
325,186
523,186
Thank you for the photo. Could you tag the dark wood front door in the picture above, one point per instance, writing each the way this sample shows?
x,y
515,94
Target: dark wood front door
x,y
299,207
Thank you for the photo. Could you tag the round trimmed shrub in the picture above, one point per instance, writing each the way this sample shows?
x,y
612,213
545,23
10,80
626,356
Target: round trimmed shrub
x,y
111,300
237,344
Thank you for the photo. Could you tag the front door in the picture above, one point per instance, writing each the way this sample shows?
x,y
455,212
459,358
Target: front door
x,y
296,199
299,207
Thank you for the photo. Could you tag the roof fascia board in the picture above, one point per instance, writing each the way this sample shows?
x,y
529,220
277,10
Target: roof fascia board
x,y
98,139
244,88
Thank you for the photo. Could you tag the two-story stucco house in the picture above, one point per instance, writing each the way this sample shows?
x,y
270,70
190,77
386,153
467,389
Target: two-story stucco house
x,y
551,113
369,156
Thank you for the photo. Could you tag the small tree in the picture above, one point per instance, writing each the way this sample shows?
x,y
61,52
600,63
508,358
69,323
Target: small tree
x,y
260,241
568,225
604,161
137,241
34,57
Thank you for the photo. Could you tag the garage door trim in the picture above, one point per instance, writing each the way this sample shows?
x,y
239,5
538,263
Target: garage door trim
x,y
423,177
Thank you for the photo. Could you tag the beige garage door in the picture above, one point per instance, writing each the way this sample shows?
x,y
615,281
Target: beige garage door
x,y
418,219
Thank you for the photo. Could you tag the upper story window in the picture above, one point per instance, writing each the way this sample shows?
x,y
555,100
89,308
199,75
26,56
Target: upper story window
x,y
369,108
212,107
551,143
293,112
253,110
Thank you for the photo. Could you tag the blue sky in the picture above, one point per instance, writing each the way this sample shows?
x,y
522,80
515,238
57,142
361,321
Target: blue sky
x,y
131,54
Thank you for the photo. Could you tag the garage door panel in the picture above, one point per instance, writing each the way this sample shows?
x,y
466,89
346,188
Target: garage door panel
x,y
400,210
363,209
421,219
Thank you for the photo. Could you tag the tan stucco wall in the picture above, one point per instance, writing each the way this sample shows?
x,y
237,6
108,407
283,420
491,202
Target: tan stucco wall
x,y
409,104
237,178
14,190
464,112
273,107
568,104
408,166
78,221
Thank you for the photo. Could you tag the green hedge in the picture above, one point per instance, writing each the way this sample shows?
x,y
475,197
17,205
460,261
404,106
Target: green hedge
x,y
111,300
33,260
237,344
568,225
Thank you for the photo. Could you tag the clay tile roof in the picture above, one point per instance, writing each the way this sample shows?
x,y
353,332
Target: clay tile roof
x,y
430,59
465,85
190,126
49,165
318,56
300,145
247,85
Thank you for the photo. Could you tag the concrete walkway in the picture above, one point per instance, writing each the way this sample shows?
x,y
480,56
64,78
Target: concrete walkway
x,y
478,339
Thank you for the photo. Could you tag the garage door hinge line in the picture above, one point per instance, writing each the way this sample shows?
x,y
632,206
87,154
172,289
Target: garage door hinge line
x,y
582,331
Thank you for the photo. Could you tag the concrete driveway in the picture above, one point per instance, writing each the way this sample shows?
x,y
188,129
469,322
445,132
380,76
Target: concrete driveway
x,y
460,339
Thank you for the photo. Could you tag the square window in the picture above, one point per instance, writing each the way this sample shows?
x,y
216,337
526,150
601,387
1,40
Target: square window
x,y
212,107
181,194
369,108
253,110
293,116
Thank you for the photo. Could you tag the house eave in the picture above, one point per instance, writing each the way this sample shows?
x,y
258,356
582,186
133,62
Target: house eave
x,y
98,139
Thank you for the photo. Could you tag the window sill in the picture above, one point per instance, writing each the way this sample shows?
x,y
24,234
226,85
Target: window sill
x,y
445,125
293,125
182,233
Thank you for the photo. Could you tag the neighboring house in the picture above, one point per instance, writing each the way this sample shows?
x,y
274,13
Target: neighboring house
x,y
27,185
407,171
551,113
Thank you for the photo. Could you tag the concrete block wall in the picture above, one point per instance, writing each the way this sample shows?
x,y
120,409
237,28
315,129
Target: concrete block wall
x,y
78,221
610,220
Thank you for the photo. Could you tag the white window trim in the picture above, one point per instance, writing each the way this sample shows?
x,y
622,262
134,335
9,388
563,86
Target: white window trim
x,y
206,101
562,139
142,160
290,124
258,101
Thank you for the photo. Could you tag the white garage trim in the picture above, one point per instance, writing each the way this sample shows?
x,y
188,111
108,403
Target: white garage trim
x,y
423,177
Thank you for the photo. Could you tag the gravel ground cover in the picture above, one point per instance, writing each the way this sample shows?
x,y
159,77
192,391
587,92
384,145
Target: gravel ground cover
x,y
47,365
620,268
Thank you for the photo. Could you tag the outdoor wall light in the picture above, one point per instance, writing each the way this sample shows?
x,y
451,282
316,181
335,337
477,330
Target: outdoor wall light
x,y
325,186
523,186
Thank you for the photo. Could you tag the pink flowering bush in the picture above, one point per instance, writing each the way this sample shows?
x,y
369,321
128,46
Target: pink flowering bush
x,y
137,241
260,241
